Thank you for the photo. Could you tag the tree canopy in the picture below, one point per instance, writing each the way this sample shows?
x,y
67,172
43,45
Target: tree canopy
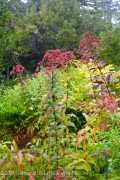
x,y
50,24
6,26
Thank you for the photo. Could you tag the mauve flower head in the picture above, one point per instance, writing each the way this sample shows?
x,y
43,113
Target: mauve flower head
x,y
102,125
35,75
17,69
54,59
31,177
88,48
95,156
106,103
57,175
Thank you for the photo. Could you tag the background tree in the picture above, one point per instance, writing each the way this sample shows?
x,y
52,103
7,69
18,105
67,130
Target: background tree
x,y
110,51
18,7
60,20
107,8
96,16
6,17
51,24
116,12
36,3
56,25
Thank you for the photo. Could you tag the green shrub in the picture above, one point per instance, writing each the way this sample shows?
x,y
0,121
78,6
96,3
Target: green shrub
x,y
110,51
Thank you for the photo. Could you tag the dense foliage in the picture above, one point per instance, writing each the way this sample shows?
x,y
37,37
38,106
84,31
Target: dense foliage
x,y
30,29
111,49
59,97
62,123
5,30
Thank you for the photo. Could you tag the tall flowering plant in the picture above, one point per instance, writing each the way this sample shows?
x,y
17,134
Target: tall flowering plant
x,y
88,48
18,69
107,103
99,112
104,98
54,59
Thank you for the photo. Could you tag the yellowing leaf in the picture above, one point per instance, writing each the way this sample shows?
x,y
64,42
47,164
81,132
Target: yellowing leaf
x,y
68,78
84,146
91,160
87,128
15,145
83,155
31,108
23,112
95,139
84,166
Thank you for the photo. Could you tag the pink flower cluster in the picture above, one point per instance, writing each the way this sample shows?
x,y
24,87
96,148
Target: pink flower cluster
x,y
57,175
107,103
17,69
35,75
88,48
31,177
54,59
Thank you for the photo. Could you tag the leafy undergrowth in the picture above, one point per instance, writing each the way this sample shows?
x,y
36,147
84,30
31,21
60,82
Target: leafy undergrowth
x,y
63,123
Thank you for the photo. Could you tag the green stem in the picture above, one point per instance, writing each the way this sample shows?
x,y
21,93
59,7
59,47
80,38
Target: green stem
x,y
91,81
67,93
55,117
107,88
